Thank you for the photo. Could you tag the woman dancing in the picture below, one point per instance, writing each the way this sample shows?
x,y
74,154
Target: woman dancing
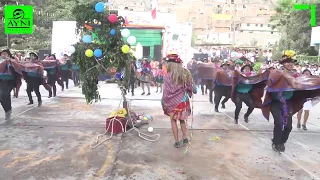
x,y
178,87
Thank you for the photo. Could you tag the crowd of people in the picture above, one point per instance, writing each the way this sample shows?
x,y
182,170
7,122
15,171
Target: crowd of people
x,y
226,53
147,73
35,72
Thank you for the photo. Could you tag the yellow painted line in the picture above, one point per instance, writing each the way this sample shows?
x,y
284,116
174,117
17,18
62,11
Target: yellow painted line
x,y
107,163
17,160
4,153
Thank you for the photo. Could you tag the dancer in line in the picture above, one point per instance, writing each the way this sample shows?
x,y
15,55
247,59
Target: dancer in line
x,y
159,78
52,76
34,80
65,70
242,95
306,107
75,74
11,78
221,90
178,88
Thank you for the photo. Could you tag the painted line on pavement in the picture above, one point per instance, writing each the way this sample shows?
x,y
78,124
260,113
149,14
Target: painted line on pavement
x,y
286,156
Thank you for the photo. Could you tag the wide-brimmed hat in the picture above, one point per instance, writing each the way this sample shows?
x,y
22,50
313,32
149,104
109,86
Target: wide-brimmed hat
x,y
225,63
307,70
34,54
7,51
247,65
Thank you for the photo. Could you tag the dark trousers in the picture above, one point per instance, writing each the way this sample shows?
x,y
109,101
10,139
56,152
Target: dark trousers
x,y
202,87
52,82
33,84
280,133
65,77
246,98
5,97
132,87
75,77
219,92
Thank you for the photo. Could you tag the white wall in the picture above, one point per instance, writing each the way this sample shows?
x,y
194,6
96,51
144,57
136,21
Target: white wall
x,y
63,36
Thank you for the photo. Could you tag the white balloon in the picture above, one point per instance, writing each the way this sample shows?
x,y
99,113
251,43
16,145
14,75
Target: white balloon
x,y
125,33
131,40
150,129
71,49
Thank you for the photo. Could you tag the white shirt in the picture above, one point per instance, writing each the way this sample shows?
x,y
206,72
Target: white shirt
x,y
269,55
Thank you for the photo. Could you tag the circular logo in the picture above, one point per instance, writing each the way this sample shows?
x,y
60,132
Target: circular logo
x,y
18,14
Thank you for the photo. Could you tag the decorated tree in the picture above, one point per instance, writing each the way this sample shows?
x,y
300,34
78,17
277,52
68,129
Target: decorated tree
x,y
102,47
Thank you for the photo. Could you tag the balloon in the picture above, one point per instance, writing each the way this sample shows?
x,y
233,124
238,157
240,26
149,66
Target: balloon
x,y
131,40
99,7
113,32
125,49
97,53
118,76
125,33
87,39
89,53
113,18
71,49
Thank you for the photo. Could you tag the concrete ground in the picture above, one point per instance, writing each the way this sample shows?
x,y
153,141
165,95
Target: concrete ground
x,y
52,142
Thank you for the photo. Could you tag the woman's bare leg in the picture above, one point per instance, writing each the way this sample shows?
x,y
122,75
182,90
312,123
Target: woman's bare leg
x,y
299,115
183,126
174,127
306,117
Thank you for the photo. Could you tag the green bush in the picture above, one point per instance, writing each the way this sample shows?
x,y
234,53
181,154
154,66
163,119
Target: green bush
x,y
257,66
310,59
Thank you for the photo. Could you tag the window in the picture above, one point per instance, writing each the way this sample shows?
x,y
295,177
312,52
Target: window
x,y
271,32
269,25
251,32
261,25
241,31
248,24
256,25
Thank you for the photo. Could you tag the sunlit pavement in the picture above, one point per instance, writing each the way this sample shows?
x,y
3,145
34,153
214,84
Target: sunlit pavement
x,y
53,142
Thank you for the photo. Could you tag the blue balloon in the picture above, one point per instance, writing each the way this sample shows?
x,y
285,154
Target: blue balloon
x,y
99,7
113,32
87,39
118,75
97,53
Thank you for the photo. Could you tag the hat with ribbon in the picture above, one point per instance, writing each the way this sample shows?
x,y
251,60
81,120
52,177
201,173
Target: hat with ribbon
x,y
287,57
174,58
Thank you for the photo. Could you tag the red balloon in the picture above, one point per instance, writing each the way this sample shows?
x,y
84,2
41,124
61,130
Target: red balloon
x,y
113,18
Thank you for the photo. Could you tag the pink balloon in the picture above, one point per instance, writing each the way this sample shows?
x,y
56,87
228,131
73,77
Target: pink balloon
x,y
113,18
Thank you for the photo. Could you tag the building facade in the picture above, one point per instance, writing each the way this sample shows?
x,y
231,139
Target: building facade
x,y
217,21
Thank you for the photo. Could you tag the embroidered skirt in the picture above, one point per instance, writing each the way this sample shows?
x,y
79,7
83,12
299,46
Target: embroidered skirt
x,y
181,112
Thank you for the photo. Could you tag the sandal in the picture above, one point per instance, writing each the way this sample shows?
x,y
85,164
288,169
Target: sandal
x,y
177,144
185,141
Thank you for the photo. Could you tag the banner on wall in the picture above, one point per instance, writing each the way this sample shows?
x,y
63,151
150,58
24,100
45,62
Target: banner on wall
x,y
63,36
177,38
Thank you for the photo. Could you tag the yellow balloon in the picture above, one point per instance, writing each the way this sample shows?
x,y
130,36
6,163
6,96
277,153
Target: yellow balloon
x,y
89,53
125,49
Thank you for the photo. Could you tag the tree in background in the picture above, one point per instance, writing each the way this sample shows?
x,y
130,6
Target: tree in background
x,y
294,27
107,50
